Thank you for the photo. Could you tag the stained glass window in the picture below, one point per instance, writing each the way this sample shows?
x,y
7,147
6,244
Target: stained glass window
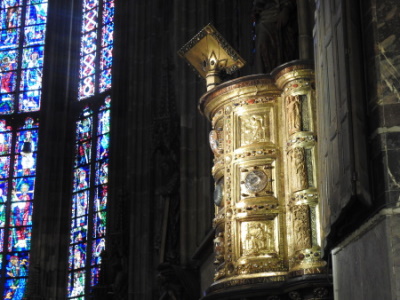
x,y
96,57
22,37
92,135
89,199
17,192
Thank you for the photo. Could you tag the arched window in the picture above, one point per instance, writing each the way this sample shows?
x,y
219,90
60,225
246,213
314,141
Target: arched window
x,y
90,179
22,38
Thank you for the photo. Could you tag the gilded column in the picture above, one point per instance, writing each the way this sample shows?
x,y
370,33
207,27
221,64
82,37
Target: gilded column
x,y
299,133
250,221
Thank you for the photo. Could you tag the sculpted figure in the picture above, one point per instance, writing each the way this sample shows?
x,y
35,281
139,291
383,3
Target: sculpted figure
x,y
301,226
299,169
276,33
293,113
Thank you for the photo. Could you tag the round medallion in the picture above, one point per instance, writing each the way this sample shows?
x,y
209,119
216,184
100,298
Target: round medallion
x,y
213,137
219,193
255,181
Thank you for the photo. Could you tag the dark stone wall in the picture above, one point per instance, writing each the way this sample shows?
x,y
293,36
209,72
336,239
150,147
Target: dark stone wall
x,y
382,21
341,104
161,186
357,65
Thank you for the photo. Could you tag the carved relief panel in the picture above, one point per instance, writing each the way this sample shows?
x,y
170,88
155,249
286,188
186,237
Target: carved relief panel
x,y
256,128
259,238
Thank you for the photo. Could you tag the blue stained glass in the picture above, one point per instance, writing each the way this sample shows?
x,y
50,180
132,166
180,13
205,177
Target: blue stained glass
x,y
95,76
102,172
2,220
88,44
23,189
25,162
104,122
6,104
76,287
22,73
25,165
107,34
106,57
71,257
17,264
108,12
30,124
21,213
81,178
29,101
86,87
36,14
4,166
87,65
107,103
8,81
102,146
89,4
1,245
98,246
86,112
83,152
32,57
34,35
10,17
70,276
8,60
3,191
10,3
94,278
79,256
19,239
4,129
31,79
30,2
89,20
9,38
80,204
105,80
79,229
15,288
100,201
99,224
84,129
26,141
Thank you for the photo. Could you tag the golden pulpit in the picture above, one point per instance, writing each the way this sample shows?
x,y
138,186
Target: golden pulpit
x,y
267,240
